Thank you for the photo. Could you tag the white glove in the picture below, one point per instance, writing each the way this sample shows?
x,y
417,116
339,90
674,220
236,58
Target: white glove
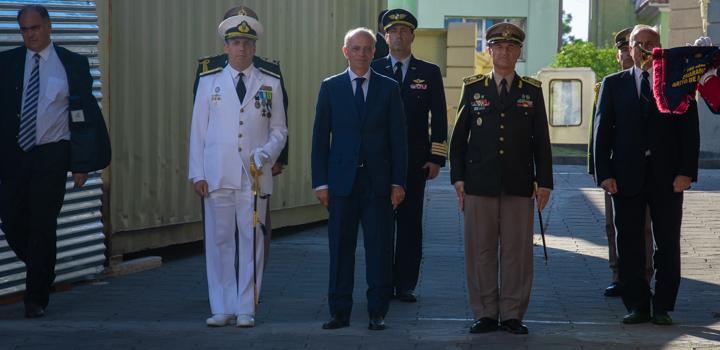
x,y
703,41
260,157
710,73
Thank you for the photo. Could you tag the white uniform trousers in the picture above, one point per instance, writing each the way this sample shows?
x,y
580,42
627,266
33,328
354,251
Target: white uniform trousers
x,y
231,291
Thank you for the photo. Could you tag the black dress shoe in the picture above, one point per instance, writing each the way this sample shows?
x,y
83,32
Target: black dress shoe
x,y
376,323
407,296
34,310
484,325
662,318
337,321
613,290
513,326
635,317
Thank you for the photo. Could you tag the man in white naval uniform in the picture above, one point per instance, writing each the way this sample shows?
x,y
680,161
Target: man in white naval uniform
x,y
238,118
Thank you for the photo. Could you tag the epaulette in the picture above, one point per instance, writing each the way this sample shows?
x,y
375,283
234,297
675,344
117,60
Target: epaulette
x,y
532,81
597,87
272,74
209,63
268,60
474,79
211,71
596,93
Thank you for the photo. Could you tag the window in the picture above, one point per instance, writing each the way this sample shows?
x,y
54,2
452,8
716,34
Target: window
x,y
483,24
565,102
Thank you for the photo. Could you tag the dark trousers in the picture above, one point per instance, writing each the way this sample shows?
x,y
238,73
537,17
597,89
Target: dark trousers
x,y
375,213
408,241
666,214
32,196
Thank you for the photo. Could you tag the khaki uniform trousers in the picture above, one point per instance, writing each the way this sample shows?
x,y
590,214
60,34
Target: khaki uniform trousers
x,y
612,242
499,255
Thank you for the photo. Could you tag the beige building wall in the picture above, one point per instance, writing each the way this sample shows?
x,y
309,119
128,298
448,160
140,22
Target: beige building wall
x,y
149,57
685,22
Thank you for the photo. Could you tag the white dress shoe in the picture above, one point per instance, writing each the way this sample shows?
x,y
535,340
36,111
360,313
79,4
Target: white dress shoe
x,y
245,321
220,320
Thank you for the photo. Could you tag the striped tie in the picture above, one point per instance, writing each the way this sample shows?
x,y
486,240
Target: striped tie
x,y
26,136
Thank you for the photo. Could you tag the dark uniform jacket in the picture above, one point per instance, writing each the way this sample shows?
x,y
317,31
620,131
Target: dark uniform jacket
x,y
212,64
422,92
89,140
501,149
624,133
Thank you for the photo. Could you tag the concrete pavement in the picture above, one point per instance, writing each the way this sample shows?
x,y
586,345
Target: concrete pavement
x,y
166,307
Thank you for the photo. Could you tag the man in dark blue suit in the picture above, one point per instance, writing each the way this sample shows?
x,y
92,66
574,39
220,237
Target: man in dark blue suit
x,y
645,158
423,96
50,123
359,163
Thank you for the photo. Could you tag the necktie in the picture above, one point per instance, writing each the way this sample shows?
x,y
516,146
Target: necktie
x,y
398,73
359,95
240,88
26,134
645,91
503,91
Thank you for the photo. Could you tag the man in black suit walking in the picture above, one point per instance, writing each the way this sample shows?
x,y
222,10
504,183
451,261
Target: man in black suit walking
x,y
50,123
645,158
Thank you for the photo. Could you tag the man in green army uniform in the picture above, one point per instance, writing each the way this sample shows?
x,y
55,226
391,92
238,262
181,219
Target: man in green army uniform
x,y
499,149
624,59
211,64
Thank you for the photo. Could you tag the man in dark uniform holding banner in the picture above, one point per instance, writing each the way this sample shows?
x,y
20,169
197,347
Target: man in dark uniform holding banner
x,y
500,147
423,95
210,64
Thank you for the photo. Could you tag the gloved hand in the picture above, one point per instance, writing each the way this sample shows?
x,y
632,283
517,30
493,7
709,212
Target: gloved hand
x,y
703,41
260,157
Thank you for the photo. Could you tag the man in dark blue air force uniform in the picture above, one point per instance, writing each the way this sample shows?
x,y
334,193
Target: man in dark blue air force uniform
x,y
213,64
422,93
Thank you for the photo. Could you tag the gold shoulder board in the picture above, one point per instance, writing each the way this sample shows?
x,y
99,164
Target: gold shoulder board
x,y
212,71
532,81
474,79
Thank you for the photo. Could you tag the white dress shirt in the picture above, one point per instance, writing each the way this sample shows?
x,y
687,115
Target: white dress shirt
x,y
364,84
247,75
52,123
405,63
637,73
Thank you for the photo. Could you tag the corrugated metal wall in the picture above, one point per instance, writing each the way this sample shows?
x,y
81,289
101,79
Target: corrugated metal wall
x,y
154,45
81,242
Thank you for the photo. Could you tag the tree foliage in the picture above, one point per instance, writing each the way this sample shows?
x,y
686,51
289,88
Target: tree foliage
x,y
567,28
584,54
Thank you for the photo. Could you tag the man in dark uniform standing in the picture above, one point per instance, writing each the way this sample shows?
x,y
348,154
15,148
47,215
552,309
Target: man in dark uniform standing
x,y
211,64
423,95
381,47
625,61
500,147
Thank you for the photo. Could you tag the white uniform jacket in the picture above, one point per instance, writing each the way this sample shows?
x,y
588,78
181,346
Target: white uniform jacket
x,y
225,132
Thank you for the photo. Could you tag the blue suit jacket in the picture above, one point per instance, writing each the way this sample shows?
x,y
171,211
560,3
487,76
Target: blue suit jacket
x,y
89,141
623,134
342,139
423,97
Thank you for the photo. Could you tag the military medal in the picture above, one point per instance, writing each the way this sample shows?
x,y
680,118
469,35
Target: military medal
x,y
476,96
479,121
257,101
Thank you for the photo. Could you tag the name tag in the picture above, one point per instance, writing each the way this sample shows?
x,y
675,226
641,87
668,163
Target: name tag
x,y
77,116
